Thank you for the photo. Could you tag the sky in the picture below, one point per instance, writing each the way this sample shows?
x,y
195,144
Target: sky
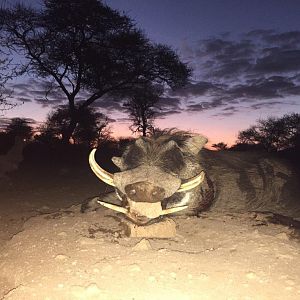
x,y
245,57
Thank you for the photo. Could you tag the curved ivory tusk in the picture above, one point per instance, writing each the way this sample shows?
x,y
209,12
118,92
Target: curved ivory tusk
x,y
114,207
192,183
173,210
99,172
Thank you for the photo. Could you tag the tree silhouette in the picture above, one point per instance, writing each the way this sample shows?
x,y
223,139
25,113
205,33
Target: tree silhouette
x,y
220,146
20,127
84,45
273,134
141,107
90,129
5,74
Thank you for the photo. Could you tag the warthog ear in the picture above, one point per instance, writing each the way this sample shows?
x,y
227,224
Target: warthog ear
x,y
118,161
141,141
169,145
195,143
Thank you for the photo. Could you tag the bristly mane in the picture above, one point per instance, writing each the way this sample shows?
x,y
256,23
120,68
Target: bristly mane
x,y
154,151
174,134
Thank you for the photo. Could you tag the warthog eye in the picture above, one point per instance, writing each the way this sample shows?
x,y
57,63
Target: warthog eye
x,y
132,159
172,161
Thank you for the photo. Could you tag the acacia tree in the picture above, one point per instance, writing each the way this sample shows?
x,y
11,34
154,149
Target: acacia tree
x,y
91,126
84,45
273,134
220,146
142,109
20,127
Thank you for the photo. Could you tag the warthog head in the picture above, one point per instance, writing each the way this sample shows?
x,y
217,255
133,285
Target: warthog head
x,y
154,171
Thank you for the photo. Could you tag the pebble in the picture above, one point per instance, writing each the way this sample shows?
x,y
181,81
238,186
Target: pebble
x,y
282,236
63,233
251,275
61,257
142,245
93,290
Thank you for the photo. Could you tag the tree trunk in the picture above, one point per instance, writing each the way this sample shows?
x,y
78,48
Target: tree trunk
x,y
67,134
253,181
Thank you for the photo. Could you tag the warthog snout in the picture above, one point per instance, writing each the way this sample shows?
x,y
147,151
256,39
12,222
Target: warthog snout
x,y
144,191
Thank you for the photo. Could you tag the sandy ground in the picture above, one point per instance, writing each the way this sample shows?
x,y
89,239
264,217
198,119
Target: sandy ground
x,y
49,250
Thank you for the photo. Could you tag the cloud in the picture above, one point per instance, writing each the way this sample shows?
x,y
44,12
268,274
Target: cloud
x,y
266,104
164,113
277,60
263,88
255,70
199,88
109,104
259,51
168,106
251,71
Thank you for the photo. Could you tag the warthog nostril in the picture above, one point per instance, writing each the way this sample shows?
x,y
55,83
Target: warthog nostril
x,y
144,191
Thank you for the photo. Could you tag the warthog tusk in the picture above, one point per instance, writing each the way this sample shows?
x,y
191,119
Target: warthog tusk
x,y
192,183
173,210
99,172
114,207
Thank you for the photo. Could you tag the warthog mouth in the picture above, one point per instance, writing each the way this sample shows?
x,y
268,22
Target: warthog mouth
x,y
142,212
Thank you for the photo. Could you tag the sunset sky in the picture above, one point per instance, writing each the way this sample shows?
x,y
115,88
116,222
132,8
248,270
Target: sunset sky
x,y
245,56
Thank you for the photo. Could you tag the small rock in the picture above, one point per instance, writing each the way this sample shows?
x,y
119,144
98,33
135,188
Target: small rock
x,y
162,229
251,275
45,207
282,236
142,245
93,290
61,257
63,233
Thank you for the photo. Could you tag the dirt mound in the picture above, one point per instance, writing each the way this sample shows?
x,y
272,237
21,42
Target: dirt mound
x,y
70,255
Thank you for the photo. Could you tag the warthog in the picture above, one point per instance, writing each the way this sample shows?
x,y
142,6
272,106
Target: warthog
x,y
159,175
